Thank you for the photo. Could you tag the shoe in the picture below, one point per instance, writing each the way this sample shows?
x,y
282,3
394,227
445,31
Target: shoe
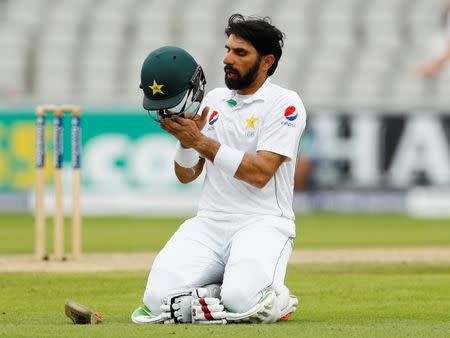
x,y
285,318
287,312
80,314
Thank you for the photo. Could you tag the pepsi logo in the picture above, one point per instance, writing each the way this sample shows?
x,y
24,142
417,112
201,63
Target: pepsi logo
x,y
290,113
213,118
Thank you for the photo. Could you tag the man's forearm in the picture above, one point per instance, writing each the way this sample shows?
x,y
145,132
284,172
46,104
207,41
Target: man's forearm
x,y
187,175
254,169
207,147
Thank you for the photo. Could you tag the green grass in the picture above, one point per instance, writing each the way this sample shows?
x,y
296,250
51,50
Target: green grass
x,y
342,300
127,234
336,301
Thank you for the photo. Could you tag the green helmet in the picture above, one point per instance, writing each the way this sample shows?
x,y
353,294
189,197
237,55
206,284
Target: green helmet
x,y
172,81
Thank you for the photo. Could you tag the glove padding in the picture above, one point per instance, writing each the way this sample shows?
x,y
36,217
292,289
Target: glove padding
x,y
273,305
177,307
208,310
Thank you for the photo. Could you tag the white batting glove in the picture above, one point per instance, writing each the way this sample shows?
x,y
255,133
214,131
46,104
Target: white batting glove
x,y
208,310
273,305
177,307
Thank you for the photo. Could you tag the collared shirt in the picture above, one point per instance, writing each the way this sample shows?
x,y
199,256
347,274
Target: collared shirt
x,y
272,119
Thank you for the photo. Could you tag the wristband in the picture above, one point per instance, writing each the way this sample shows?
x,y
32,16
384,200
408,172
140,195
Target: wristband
x,y
185,157
228,159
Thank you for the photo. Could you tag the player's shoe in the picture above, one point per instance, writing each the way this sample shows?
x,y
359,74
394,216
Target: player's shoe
x,y
285,318
287,312
80,314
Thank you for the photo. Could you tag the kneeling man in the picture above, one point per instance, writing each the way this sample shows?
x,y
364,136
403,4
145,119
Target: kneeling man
x,y
228,263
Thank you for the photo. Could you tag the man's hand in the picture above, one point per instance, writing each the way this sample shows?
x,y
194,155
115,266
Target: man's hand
x,y
200,120
187,131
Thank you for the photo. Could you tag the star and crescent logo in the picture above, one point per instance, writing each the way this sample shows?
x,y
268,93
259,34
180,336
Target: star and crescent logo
x,y
156,88
251,122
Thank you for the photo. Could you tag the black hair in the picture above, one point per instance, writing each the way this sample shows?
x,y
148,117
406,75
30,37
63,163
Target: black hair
x,y
260,33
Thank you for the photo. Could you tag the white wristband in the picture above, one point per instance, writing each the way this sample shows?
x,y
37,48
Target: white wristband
x,y
228,159
186,157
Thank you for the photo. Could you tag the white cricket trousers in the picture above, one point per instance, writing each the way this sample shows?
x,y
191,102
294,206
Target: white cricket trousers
x,y
246,253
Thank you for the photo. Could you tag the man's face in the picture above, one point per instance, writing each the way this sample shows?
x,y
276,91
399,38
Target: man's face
x,y
242,63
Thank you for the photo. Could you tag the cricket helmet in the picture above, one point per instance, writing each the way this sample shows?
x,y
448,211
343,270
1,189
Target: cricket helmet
x,y
173,83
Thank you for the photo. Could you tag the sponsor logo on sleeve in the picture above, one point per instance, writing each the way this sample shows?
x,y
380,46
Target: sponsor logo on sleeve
x,y
290,115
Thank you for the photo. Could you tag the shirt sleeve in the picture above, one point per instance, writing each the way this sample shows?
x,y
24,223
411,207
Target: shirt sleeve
x,y
283,126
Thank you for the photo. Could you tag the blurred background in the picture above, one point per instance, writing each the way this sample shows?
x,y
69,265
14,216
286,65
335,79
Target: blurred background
x,y
378,136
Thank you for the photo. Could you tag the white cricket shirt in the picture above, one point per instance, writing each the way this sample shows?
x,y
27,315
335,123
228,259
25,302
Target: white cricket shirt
x,y
272,119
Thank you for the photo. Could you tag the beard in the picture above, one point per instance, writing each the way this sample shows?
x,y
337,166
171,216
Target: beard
x,y
241,81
